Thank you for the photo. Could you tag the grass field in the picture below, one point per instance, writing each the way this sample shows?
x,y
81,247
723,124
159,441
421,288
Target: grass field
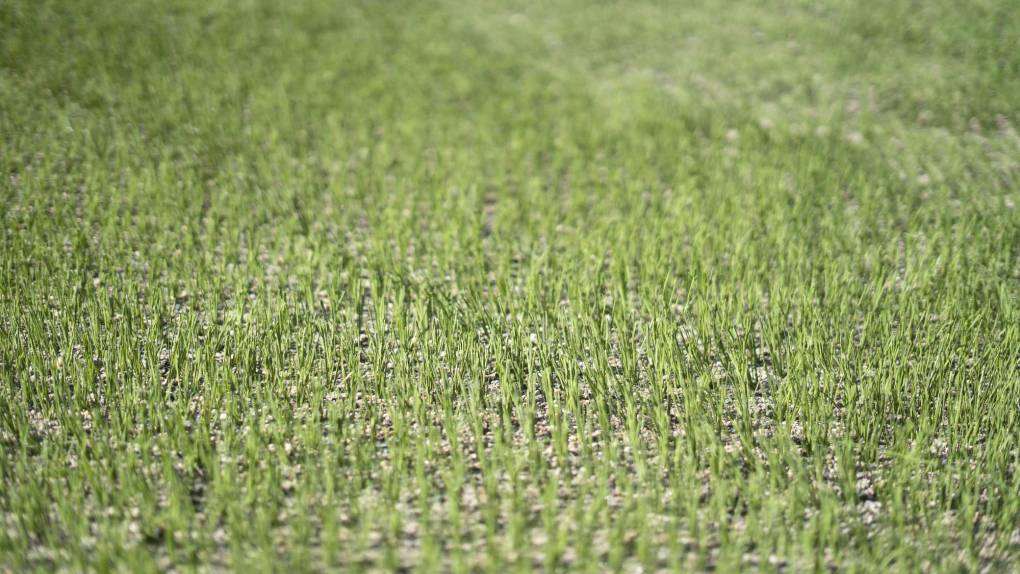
x,y
509,286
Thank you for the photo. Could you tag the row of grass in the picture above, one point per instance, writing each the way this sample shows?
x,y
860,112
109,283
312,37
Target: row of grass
x,y
475,286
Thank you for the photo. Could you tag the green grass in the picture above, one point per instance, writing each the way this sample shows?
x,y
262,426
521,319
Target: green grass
x,y
509,286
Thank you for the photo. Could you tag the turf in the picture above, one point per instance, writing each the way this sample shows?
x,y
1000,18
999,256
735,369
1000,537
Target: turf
x,y
509,286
